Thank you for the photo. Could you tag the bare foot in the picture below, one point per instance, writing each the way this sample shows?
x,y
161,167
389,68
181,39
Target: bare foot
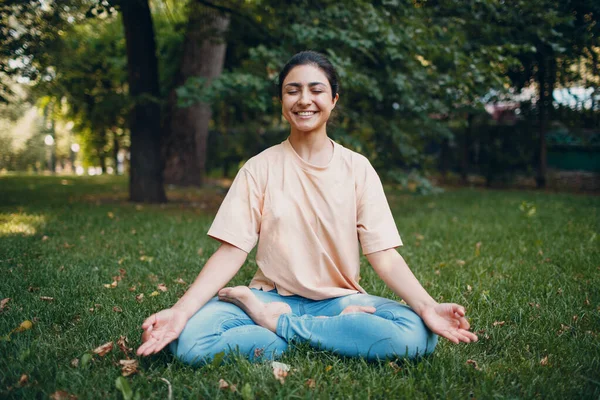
x,y
264,314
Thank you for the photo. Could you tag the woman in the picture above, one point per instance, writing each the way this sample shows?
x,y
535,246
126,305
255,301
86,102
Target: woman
x,y
306,202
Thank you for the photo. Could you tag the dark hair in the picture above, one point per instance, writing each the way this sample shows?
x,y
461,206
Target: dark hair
x,y
311,58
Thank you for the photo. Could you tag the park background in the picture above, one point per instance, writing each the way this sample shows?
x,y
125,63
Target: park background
x,y
123,122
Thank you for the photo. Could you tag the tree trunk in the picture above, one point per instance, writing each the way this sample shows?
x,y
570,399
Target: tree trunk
x,y
115,151
546,81
464,153
187,128
145,175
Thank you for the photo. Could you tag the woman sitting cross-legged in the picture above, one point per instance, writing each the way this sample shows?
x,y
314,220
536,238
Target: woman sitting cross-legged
x,y
310,204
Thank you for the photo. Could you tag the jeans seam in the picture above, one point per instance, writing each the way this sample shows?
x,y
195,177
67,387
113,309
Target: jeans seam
x,y
220,330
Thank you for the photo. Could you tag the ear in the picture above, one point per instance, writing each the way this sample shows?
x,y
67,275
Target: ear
x,y
335,99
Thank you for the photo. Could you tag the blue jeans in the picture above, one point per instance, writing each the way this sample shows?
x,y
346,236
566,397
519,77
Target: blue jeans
x,y
393,331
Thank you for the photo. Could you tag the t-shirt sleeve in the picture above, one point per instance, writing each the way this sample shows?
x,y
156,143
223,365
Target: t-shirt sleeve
x,y
375,224
238,220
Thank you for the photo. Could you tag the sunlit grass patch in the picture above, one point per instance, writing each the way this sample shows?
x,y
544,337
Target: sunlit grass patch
x,y
20,224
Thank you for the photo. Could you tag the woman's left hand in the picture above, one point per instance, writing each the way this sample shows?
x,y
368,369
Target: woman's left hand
x,y
448,320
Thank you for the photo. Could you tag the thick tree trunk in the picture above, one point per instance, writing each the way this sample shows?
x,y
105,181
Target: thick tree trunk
x,y
187,128
546,81
145,175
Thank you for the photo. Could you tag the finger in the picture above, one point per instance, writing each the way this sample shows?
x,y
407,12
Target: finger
x,y
151,348
448,335
461,337
463,323
151,320
141,351
469,334
458,309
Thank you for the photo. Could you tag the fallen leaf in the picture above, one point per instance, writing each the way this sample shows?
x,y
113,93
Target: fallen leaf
x,y
132,289
46,298
247,392
586,301
85,359
44,238
418,236
395,367
122,343
310,383
62,395
155,293
200,251
25,325
328,368
477,249
162,287
575,318
280,371
180,281
110,215
536,305
111,285
139,297
67,245
32,289
461,262
117,309
3,303
469,288
133,231
223,384
75,362
559,291
544,361
23,380
147,259
474,364
499,323
105,348
129,367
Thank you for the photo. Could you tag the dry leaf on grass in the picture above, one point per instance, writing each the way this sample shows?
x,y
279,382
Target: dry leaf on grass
x,y
395,367
280,371
223,385
155,293
25,325
23,380
3,303
105,348
328,368
111,285
129,367
180,281
62,395
544,361
117,309
122,343
44,238
499,323
474,364
461,262
75,362
162,287
310,383
139,297
46,298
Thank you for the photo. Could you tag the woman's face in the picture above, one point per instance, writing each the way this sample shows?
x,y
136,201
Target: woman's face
x,y
306,100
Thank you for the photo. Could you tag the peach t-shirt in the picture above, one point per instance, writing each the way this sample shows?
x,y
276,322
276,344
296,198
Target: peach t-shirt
x,y
308,220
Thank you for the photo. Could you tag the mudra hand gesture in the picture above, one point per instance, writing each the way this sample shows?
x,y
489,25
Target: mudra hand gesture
x,y
448,320
160,329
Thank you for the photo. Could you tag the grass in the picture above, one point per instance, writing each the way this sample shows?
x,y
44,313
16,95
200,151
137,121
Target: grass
x,y
531,288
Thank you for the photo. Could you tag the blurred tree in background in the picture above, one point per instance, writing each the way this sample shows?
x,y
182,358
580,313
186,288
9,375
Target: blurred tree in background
x,y
415,77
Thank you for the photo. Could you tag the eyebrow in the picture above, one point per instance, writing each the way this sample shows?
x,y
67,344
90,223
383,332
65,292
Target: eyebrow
x,y
311,84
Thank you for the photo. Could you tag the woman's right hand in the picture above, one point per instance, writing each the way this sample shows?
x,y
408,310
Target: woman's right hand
x,y
161,329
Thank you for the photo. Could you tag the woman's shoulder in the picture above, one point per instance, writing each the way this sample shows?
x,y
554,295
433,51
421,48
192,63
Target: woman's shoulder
x,y
269,157
353,158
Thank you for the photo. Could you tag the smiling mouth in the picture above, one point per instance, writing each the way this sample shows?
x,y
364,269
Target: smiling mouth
x,y
305,113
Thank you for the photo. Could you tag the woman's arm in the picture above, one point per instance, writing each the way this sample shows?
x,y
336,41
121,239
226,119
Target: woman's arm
x,y
447,319
165,326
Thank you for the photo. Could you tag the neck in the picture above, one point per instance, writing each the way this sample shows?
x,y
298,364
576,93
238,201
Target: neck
x,y
313,147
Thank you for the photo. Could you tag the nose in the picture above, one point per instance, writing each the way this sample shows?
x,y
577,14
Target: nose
x,y
305,97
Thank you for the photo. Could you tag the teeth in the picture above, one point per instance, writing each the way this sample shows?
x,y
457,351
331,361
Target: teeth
x,y
305,113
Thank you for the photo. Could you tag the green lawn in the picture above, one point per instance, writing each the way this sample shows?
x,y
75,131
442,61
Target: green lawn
x,y
531,288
